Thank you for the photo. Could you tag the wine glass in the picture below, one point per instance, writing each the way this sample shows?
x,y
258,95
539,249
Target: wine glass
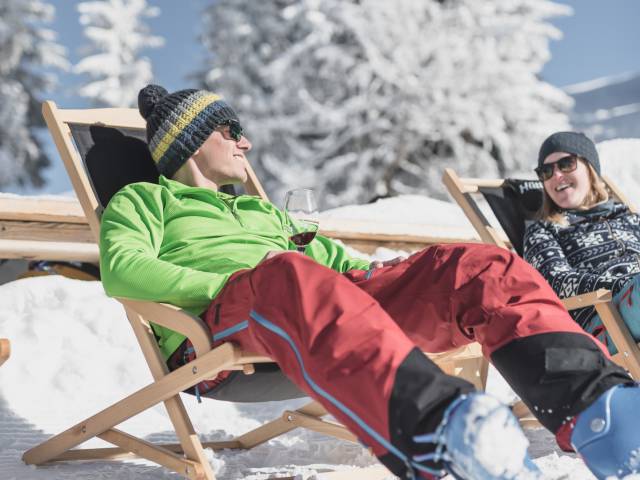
x,y
302,209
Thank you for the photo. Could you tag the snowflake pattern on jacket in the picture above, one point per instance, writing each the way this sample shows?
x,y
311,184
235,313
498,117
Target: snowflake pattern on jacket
x,y
593,251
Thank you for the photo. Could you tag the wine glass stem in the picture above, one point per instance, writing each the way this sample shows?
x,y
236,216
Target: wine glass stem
x,y
301,249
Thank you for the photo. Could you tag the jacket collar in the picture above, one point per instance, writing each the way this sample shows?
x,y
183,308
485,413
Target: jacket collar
x,y
601,211
180,189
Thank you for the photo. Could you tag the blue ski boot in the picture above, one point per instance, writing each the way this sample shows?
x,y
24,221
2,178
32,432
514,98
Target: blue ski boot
x,y
607,433
478,439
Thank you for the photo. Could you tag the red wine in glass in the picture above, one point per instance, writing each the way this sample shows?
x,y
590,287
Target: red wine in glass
x,y
302,210
304,238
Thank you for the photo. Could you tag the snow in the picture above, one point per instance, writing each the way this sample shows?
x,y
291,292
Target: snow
x,y
422,211
504,456
74,354
620,161
401,215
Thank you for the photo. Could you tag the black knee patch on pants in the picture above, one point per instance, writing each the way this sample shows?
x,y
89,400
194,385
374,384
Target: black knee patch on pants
x,y
421,393
558,374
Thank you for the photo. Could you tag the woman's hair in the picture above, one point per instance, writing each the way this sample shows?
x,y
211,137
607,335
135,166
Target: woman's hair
x,y
550,212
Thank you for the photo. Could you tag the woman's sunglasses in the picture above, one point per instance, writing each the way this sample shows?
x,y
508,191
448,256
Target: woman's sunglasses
x,y
565,165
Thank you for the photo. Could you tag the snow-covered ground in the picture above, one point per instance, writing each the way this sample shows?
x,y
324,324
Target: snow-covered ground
x,y
74,354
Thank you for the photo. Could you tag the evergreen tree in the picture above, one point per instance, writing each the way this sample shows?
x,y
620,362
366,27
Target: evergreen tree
x,y
117,34
28,55
369,98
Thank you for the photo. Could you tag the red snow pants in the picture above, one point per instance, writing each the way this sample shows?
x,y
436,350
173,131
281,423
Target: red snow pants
x,y
353,341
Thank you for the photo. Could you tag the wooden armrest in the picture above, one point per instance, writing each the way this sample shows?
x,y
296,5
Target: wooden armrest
x,y
192,327
174,319
587,299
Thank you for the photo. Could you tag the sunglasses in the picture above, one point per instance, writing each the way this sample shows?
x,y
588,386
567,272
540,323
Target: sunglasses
x,y
565,165
231,130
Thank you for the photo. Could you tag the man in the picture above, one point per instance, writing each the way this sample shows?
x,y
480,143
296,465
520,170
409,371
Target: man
x,y
352,336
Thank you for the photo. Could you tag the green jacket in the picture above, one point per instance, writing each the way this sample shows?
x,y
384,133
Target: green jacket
x,y
178,244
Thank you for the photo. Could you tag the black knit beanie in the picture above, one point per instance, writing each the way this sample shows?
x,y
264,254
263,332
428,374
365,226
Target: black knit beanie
x,y
179,123
570,142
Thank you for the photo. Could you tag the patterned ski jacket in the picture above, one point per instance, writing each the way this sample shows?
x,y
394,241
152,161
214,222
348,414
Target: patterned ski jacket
x,y
599,248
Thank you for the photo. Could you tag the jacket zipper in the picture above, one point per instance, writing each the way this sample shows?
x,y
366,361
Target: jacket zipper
x,y
233,212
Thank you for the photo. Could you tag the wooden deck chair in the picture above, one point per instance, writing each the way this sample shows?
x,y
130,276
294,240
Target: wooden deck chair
x,y
5,350
103,150
515,203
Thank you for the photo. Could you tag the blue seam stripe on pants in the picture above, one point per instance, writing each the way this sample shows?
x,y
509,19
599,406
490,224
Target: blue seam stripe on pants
x,y
316,388
231,330
224,333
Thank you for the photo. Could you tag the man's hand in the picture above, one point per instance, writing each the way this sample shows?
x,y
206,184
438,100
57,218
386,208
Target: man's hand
x,y
386,263
274,253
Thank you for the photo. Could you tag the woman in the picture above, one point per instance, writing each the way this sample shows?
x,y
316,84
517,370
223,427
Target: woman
x,y
583,240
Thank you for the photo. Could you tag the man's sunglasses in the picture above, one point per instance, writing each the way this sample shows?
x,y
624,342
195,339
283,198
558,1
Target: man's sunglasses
x,y
565,165
231,130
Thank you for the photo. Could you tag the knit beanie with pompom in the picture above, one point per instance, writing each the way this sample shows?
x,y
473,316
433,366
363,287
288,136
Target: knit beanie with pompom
x,y
179,123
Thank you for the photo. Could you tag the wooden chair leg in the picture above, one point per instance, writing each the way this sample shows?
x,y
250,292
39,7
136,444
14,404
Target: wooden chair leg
x,y
484,372
524,415
308,416
205,367
473,370
189,441
628,352
465,362
195,470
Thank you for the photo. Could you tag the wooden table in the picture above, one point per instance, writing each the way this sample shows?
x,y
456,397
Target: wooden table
x,y
55,228
45,228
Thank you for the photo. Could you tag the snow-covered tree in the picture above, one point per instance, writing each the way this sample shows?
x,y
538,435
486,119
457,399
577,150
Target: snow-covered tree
x,y
117,33
366,98
28,57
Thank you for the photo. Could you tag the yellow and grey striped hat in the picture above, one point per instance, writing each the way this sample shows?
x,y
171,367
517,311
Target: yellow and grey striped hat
x,y
179,123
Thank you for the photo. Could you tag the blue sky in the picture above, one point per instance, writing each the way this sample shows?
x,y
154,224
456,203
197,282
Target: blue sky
x,y
178,24
600,39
